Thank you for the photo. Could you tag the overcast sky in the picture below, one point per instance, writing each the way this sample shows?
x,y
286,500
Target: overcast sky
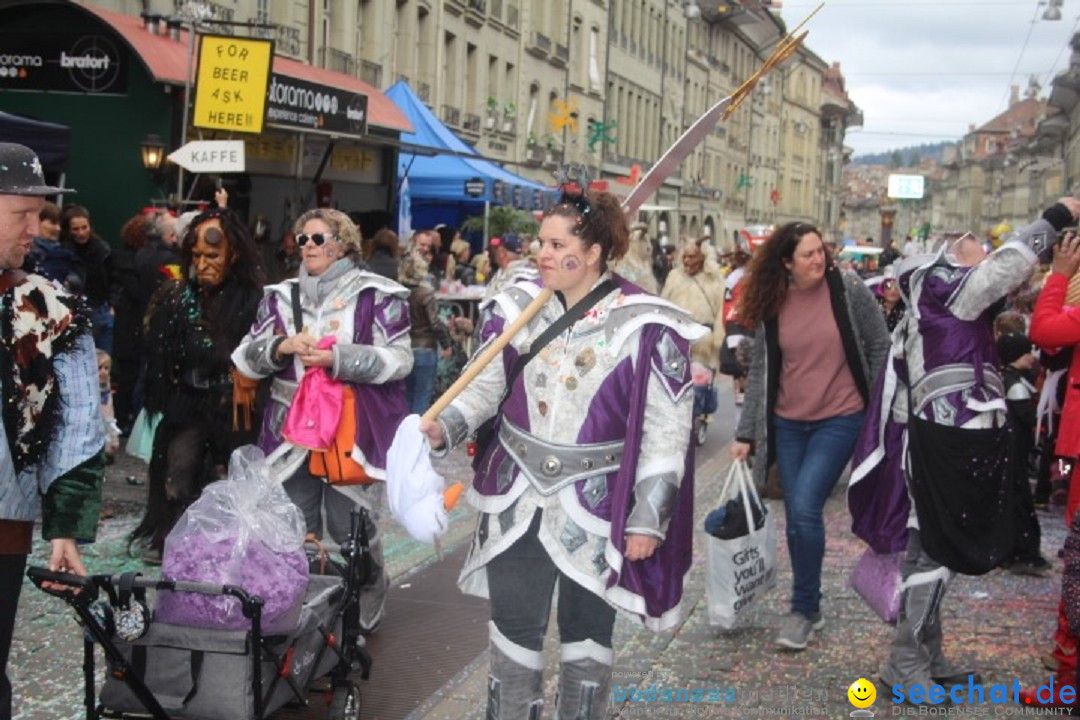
x,y
924,70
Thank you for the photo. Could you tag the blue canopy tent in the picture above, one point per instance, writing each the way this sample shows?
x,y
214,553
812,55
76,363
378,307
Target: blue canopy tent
x,y
50,141
445,187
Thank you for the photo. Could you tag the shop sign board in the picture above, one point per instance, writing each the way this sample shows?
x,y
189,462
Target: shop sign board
x,y
301,105
906,187
60,61
230,89
475,187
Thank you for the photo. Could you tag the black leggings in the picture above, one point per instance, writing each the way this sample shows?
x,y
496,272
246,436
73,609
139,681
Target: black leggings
x,y
11,578
521,581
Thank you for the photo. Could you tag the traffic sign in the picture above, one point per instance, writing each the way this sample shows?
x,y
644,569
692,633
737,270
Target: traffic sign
x,y
217,156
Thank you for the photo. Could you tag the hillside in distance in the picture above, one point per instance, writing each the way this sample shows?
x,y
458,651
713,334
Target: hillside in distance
x,y
906,156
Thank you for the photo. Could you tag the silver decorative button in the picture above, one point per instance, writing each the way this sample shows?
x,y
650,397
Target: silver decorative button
x,y
587,463
522,449
551,466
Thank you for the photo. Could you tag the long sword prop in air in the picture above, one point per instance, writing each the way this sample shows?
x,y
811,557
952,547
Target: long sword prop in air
x,y
696,133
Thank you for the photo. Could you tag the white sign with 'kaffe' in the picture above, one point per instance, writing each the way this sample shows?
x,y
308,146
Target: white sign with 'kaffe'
x,y
204,156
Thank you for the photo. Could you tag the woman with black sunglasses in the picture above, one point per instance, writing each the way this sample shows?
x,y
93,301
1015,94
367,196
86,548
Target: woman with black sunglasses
x,y
368,317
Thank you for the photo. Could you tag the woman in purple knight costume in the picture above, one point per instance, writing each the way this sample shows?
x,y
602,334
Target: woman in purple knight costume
x,y
933,482
369,317
587,482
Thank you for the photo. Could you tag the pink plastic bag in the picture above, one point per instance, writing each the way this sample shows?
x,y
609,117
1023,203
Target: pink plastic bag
x,y
314,415
877,580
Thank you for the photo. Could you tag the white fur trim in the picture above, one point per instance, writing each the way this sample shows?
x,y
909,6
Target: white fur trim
x,y
587,650
531,659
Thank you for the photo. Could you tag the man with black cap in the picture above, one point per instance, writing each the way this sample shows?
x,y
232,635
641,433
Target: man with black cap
x,y
506,254
51,453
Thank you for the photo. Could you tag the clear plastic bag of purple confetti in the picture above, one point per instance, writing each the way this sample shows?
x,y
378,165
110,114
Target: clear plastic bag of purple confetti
x,y
242,531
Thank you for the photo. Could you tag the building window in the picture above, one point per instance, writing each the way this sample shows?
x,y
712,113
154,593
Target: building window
x,y
594,60
534,105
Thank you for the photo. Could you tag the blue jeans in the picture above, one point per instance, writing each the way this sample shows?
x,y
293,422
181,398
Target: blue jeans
x,y
811,456
420,383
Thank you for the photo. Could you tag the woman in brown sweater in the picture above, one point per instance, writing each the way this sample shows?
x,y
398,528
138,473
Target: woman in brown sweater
x,y
821,340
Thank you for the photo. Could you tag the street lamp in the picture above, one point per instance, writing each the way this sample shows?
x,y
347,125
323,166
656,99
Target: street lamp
x,y
153,152
693,10
1053,10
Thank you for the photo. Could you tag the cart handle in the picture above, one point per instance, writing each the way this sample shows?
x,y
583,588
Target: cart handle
x,y
66,586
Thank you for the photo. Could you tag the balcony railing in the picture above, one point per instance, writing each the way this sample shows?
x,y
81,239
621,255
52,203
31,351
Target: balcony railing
x,y
451,115
288,40
496,10
562,52
339,61
535,154
262,18
423,91
476,13
371,73
512,16
217,12
472,122
542,41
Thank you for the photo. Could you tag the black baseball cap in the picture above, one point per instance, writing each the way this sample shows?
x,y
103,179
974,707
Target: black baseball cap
x,y
21,173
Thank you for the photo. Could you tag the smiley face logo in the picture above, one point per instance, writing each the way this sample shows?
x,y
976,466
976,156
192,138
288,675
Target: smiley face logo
x,y
862,693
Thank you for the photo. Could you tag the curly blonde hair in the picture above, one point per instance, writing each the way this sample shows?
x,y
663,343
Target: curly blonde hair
x,y
344,229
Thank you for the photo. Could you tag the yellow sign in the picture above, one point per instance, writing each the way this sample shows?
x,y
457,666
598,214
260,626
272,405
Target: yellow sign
x,y
230,92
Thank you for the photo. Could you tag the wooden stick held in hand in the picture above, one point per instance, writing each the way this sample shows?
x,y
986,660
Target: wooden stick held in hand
x,y
490,353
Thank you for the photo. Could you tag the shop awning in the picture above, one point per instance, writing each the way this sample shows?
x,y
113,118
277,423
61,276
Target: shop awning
x,y
167,61
450,170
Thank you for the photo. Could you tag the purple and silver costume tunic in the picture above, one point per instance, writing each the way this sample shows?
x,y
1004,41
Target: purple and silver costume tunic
x,y
595,434
944,351
369,315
